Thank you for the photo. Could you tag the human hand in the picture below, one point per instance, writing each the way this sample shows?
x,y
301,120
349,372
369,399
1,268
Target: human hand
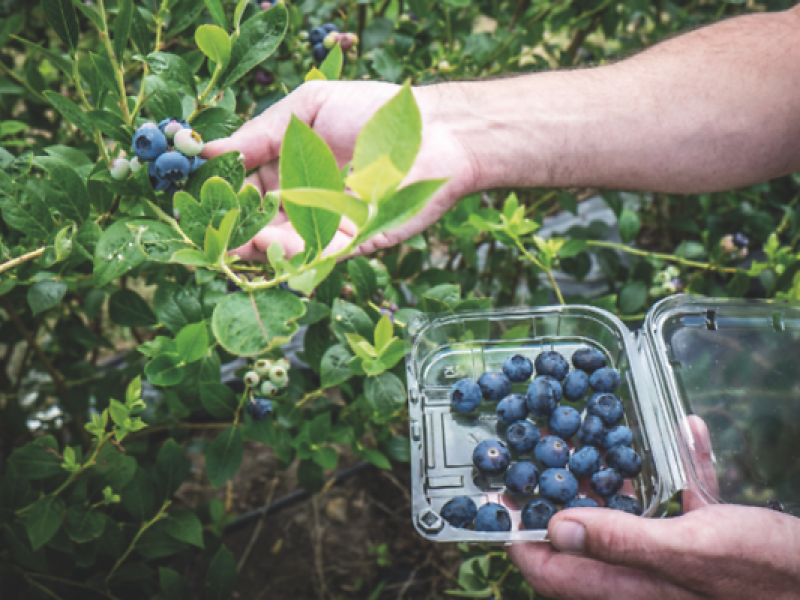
x,y
712,551
337,111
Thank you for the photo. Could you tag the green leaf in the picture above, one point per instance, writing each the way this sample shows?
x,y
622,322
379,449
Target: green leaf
x,y
218,399
310,477
127,308
401,206
38,459
325,456
216,199
228,166
375,457
259,37
307,162
385,393
173,585
172,468
628,226
441,298
213,41
318,202
398,448
349,318
185,526
394,131
375,182
363,277
237,14
164,369
250,324
392,353
140,32
192,342
61,16
155,542
84,524
31,217
221,576
176,307
45,294
75,203
138,496
59,61
215,123
386,64
173,70
44,519
183,16
218,14
224,455
572,248
331,67
256,213
111,125
122,27
632,297
164,103
334,369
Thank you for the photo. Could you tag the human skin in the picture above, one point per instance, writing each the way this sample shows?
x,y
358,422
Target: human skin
x,y
713,109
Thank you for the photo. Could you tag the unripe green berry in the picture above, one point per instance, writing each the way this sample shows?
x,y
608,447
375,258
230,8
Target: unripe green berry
x,y
278,375
330,40
661,277
189,142
251,379
673,271
268,389
657,291
262,367
120,168
669,288
135,164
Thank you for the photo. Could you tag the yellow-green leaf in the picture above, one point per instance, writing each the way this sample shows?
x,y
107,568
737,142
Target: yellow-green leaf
x,y
376,181
315,74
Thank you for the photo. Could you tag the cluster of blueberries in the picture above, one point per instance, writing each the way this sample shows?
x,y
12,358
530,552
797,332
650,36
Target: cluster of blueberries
x,y
171,148
325,37
735,244
555,471
268,378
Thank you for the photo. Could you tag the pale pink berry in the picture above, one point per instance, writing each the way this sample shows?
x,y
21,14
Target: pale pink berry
x,y
266,5
189,142
345,42
120,167
172,128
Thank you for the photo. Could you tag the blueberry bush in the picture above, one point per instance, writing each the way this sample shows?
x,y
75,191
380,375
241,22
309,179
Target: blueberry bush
x,y
120,305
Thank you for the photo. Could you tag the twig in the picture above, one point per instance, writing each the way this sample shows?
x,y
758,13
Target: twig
x,y
23,83
21,259
580,37
259,525
70,583
142,529
150,430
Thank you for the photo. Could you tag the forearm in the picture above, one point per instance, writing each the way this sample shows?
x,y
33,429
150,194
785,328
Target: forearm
x,y
713,109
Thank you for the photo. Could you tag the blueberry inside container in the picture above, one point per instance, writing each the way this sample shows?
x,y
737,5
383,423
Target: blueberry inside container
x,y
732,363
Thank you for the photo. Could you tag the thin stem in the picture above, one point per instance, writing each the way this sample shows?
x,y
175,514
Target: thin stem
x,y
23,83
158,428
146,70
123,101
242,401
45,590
70,583
142,529
167,219
98,136
672,257
310,396
536,261
21,259
202,99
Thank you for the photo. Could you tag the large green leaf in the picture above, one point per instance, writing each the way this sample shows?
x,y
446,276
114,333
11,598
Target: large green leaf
x,y
173,585
228,166
215,123
165,369
127,308
256,213
30,216
221,576
43,295
122,27
164,103
395,130
62,18
334,369
172,468
385,393
249,324
44,519
218,399
176,307
192,342
84,524
185,526
173,70
401,206
331,67
224,456
303,200
218,14
259,37
38,459
74,204
214,42
307,162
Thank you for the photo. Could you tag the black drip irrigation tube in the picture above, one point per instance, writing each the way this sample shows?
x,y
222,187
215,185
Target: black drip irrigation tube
x,y
294,498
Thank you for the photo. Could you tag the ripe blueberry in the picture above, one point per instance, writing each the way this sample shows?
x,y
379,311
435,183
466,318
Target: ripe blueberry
x,y
172,166
522,436
251,379
119,168
149,143
575,385
588,359
459,511
619,435
494,385
319,52
518,368
512,408
625,461
552,452
316,35
740,240
465,395
554,383
329,27
492,517
197,162
565,422
159,183
608,407
491,457
189,142
537,513
581,503
625,504
522,478
604,380
585,462
558,485
551,363
259,408
541,398
592,431
606,482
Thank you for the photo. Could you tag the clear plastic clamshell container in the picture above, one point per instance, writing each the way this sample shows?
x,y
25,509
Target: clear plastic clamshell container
x,y
734,364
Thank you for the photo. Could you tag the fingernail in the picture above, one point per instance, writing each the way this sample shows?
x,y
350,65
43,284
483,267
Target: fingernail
x,y
568,536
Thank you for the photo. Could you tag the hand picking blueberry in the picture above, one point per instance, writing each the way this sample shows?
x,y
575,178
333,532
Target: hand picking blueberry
x,y
522,478
575,385
588,359
565,422
551,363
518,368
608,407
259,408
537,513
585,462
492,517
459,511
605,380
512,408
491,457
540,398
625,504
592,431
465,395
606,483
552,451
625,461
494,385
522,436
581,503
558,485
619,435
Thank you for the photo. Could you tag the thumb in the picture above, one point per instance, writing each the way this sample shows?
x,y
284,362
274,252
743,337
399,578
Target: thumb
x,y
613,537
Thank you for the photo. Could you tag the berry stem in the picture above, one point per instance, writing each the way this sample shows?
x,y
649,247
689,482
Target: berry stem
x,y
535,261
670,257
146,69
123,100
98,136
139,533
204,96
